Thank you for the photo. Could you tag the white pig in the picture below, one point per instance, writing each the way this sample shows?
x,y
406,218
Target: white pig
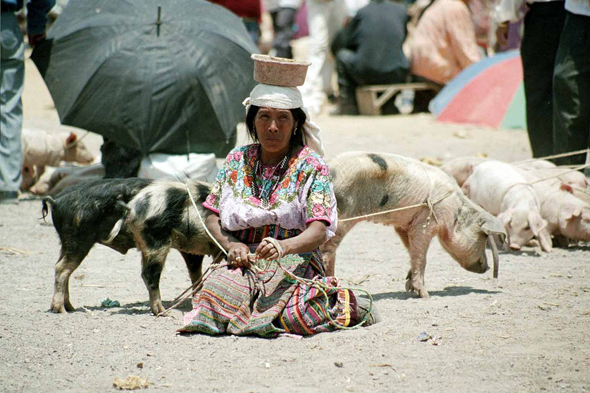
x,y
461,168
532,165
501,190
579,184
568,217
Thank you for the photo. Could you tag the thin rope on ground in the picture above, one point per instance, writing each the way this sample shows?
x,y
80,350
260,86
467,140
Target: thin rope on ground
x,y
561,174
572,153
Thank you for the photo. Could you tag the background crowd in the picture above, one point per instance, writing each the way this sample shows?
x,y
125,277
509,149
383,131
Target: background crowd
x,y
352,43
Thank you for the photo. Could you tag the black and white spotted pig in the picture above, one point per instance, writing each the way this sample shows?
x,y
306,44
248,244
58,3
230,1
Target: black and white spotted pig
x,y
94,212
161,217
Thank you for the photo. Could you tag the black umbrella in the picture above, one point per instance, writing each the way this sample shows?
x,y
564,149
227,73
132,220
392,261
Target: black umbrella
x,y
160,76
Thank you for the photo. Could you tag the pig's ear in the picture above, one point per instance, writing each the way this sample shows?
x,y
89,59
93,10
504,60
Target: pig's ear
x,y
537,223
493,226
505,217
566,187
545,240
539,228
71,139
466,187
568,213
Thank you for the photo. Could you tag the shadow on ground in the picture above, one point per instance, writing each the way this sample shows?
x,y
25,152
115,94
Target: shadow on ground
x,y
139,308
448,291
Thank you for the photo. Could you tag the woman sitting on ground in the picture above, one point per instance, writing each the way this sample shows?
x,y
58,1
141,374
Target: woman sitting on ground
x,y
275,199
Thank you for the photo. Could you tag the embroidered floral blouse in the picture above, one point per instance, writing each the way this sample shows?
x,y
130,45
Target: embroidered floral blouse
x,y
303,194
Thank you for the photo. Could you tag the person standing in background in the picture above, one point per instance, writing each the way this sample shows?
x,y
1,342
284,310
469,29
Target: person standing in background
x,y
543,24
12,84
571,85
283,14
325,18
369,51
443,43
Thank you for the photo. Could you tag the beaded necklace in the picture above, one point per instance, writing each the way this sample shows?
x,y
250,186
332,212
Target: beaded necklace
x,y
260,193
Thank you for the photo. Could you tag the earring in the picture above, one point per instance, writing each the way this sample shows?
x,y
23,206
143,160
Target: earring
x,y
295,132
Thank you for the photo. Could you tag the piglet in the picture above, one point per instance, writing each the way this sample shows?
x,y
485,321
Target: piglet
x,y
461,168
568,217
577,182
535,164
501,190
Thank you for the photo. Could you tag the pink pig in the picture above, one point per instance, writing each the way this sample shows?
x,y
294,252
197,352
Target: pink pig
x,y
568,217
41,149
501,190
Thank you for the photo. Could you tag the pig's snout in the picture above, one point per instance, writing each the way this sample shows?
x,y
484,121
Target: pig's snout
x,y
480,266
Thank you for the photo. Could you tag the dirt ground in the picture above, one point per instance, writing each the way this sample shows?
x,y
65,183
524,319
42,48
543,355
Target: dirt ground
x,y
526,331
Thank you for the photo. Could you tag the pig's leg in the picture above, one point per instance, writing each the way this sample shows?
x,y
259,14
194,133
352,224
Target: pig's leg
x,y
403,235
417,242
65,266
194,265
152,264
329,248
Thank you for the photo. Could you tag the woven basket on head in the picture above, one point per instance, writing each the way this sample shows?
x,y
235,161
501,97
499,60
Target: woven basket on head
x,y
279,71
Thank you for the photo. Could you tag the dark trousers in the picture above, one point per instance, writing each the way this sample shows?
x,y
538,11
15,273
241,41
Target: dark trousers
x,y
571,90
350,75
283,21
542,29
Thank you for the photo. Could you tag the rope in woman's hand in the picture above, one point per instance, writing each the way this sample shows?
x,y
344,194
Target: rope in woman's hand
x,y
195,287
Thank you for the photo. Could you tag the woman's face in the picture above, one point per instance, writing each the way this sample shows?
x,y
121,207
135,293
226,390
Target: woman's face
x,y
274,128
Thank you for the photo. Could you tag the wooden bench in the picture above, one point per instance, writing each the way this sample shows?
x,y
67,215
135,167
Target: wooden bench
x,y
371,98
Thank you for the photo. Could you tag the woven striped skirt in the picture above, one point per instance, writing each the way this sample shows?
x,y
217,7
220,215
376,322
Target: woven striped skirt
x,y
238,301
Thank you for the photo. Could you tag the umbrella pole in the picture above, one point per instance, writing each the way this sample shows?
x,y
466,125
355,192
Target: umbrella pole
x,y
158,22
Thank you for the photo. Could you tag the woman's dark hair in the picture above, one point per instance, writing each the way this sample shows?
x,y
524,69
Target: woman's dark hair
x,y
297,113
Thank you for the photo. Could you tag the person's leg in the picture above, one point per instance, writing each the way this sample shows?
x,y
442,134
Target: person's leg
x,y
317,22
11,89
542,28
283,21
322,19
336,17
571,87
347,104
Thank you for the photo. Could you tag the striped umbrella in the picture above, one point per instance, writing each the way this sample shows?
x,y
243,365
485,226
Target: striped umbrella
x,y
488,93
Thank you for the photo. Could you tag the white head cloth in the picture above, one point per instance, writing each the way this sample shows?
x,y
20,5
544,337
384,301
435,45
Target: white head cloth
x,y
281,97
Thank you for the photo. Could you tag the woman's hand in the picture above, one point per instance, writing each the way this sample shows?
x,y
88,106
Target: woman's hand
x,y
308,240
237,255
269,250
